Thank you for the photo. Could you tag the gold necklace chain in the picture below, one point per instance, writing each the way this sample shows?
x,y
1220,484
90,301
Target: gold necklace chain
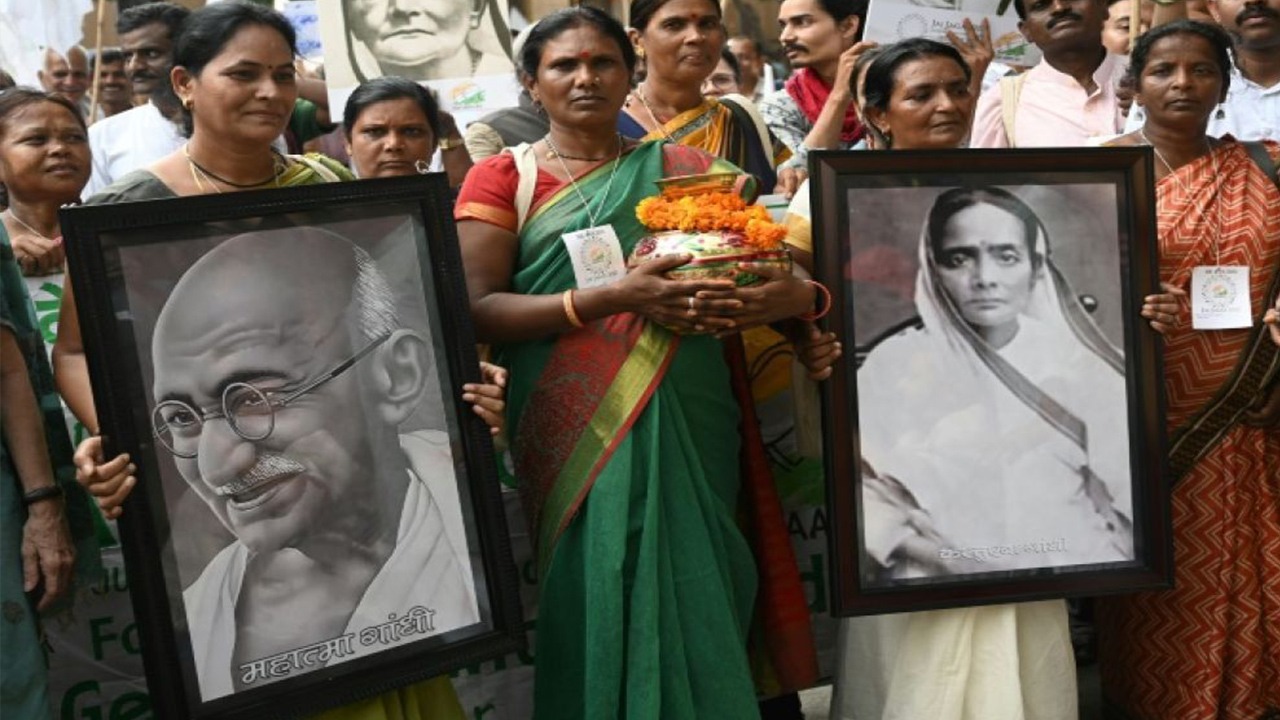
x,y
1217,206
1163,161
278,169
574,183
24,224
1217,189
196,178
657,125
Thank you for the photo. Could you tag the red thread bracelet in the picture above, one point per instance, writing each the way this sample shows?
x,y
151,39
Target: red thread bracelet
x,y
826,305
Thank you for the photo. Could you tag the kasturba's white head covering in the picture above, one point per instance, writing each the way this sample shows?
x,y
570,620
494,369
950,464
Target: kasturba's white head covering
x,y
997,447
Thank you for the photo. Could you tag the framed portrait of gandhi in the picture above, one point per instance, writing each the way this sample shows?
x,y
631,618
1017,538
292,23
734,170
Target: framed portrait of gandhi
x,y
993,431
317,517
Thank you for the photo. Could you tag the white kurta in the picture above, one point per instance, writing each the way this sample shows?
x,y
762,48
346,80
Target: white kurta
x,y
993,478
129,141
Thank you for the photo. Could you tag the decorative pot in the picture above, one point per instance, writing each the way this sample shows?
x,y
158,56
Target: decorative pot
x,y
716,255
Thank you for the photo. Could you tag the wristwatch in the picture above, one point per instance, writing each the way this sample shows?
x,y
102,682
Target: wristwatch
x,y
447,144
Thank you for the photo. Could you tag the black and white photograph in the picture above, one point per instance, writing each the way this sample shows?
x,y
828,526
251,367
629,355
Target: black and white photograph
x,y
460,48
989,378
318,498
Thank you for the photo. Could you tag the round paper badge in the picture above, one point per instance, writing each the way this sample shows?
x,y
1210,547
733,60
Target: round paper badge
x,y
1218,294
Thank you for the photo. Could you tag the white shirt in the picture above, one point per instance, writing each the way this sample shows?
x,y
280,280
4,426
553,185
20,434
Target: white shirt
x,y
133,140
1250,112
129,141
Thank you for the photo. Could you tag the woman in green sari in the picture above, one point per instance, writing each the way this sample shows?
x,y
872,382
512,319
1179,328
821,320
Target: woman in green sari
x,y
46,520
624,424
235,76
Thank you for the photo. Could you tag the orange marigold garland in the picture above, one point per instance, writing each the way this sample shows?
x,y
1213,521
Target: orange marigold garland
x,y
709,212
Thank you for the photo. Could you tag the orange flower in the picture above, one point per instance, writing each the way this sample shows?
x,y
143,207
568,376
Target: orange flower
x,y
710,212
765,234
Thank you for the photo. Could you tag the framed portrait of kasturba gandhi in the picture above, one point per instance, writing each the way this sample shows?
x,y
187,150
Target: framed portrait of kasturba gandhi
x,y
994,430
318,516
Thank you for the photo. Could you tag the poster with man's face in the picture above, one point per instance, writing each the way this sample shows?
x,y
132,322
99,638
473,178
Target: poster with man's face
x,y
461,49
314,486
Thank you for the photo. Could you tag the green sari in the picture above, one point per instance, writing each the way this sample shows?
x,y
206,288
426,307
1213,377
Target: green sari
x,y
23,685
626,446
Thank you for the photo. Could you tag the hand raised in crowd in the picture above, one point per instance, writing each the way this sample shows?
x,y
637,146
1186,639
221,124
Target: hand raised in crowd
x,y
673,303
976,48
789,181
48,554
488,398
448,126
1125,90
1163,309
843,87
38,255
779,296
817,350
109,482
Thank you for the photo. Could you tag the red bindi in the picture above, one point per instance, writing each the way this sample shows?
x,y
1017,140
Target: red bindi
x,y
584,55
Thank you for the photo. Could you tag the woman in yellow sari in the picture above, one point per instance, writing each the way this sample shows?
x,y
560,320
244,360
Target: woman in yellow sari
x,y
680,41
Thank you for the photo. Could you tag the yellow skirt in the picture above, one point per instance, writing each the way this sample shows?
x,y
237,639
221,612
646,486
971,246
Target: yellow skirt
x,y
432,699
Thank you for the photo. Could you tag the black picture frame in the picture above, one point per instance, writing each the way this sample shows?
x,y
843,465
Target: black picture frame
x,y
932,404
125,261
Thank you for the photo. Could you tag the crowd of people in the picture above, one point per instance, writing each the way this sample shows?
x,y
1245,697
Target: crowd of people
x,y
656,598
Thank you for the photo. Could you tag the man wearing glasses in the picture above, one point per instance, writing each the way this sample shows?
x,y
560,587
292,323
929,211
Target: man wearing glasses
x,y
287,403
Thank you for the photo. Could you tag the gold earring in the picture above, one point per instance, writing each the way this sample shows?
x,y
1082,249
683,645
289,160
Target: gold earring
x,y
186,104
640,52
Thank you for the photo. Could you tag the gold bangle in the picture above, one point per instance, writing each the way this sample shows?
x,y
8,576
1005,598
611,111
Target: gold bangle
x,y
450,143
569,311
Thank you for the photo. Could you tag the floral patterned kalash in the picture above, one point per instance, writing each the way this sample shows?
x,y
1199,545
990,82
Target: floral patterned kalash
x,y
705,216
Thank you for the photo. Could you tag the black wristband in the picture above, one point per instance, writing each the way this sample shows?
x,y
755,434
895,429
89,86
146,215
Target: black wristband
x,y
42,493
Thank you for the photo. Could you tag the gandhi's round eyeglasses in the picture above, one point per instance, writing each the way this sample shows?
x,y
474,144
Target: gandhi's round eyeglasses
x,y
249,411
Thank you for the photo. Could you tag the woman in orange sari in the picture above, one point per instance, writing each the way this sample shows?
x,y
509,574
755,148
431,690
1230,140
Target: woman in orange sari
x,y
1208,647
